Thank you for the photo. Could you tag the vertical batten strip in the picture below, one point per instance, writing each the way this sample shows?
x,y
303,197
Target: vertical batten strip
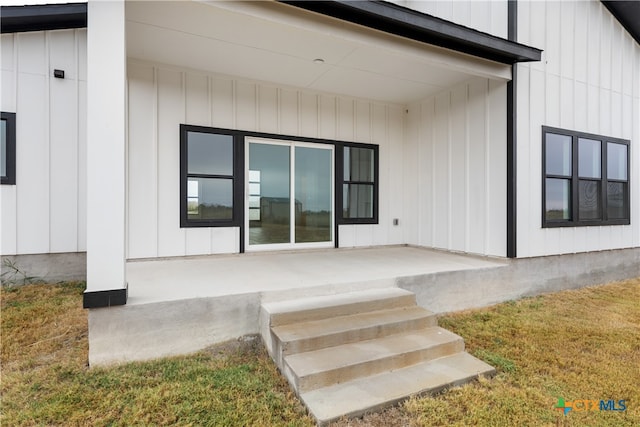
x,y
279,110
467,181
433,173
386,171
449,172
298,111
209,99
256,105
16,72
127,167
419,174
47,79
234,97
127,172
318,115
354,122
336,106
156,143
76,47
370,105
487,167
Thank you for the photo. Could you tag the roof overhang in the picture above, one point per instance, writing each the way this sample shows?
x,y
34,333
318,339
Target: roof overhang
x,y
628,14
272,42
401,21
16,19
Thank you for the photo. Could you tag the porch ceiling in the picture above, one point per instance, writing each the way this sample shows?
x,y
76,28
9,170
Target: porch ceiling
x,y
272,42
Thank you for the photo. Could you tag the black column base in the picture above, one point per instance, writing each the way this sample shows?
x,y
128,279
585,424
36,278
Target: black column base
x,y
108,298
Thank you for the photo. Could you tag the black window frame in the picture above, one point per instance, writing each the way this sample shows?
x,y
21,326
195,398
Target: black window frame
x,y
10,165
341,181
575,179
239,177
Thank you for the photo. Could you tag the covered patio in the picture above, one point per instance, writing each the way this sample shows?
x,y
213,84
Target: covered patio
x,y
159,285
279,71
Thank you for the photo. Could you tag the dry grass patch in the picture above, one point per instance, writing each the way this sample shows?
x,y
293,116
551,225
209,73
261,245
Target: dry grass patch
x,y
582,344
46,381
579,344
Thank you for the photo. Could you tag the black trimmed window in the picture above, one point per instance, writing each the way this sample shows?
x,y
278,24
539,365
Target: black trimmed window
x,y
212,174
211,177
357,186
8,148
585,179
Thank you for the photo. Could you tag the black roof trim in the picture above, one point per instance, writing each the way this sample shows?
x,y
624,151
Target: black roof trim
x,y
401,21
628,14
18,19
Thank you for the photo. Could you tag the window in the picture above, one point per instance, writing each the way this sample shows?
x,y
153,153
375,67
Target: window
x,y
211,183
8,148
585,179
358,190
214,170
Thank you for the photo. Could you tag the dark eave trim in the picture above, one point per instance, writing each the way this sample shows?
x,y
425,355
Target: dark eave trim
x,y
108,298
628,14
19,19
401,21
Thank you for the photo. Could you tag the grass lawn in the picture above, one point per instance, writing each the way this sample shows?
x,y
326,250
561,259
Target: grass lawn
x,y
582,344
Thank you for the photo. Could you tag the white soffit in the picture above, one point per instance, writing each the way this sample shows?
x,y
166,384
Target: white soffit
x,y
272,42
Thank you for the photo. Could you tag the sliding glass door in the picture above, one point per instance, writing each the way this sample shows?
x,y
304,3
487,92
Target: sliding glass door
x,y
289,195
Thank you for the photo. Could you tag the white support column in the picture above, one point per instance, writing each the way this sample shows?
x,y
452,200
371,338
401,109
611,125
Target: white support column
x,y
106,147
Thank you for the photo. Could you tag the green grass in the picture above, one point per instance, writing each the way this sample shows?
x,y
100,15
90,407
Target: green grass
x,y
582,344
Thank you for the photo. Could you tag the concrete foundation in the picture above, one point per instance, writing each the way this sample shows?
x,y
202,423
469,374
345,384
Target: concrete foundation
x,y
48,268
459,290
177,306
139,332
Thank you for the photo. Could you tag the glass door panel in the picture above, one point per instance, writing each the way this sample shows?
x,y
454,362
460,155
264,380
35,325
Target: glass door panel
x,y
277,170
269,194
313,195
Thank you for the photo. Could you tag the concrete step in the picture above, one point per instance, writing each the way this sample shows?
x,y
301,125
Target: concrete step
x,y
350,353
321,368
355,398
324,307
317,334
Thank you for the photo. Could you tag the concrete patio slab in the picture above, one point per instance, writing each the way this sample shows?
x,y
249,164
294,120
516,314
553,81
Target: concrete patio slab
x,y
278,275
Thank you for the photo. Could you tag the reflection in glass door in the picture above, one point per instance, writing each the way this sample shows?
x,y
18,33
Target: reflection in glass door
x,y
269,194
313,195
277,170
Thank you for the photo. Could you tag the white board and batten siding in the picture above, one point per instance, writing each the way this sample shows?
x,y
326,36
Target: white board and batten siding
x,y
588,81
162,97
455,169
487,16
45,211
